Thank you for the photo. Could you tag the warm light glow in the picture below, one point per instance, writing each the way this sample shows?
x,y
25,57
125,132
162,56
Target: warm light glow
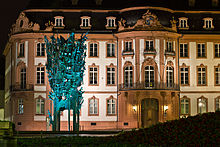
x,y
165,108
200,104
134,108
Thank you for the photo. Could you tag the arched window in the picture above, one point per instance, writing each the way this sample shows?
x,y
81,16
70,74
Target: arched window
x,y
111,106
202,105
128,76
185,106
149,76
169,76
93,106
40,106
23,78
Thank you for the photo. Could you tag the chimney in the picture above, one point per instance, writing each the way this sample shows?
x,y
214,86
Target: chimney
x,y
192,3
74,2
98,2
214,3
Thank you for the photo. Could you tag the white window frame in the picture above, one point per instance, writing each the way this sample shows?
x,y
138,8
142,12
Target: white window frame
x,y
93,106
41,48
93,48
93,75
183,23
208,23
184,103
201,50
150,45
20,106
110,76
169,76
128,46
111,22
40,102
149,76
169,46
110,49
128,80
184,50
111,106
21,50
217,48
59,21
202,76
184,73
202,102
217,76
85,22
217,104
39,76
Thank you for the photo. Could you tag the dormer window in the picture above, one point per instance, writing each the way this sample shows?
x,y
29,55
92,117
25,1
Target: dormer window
x,y
183,24
208,23
59,21
110,23
85,22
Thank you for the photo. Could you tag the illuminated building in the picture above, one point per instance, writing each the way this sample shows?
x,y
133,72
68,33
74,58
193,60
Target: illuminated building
x,y
145,61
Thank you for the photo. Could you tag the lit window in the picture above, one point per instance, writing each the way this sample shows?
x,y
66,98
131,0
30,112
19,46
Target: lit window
x,y
21,50
201,76
85,22
149,76
110,50
93,75
217,75
128,46
201,51
183,23
183,50
149,45
184,106
128,77
202,105
20,106
169,46
93,50
184,72
93,106
39,106
217,50
40,49
40,75
217,104
208,23
169,77
111,106
59,21
110,76
23,78
110,22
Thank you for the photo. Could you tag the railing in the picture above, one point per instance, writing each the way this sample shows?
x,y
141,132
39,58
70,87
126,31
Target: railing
x,y
19,87
150,51
149,86
170,53
128,52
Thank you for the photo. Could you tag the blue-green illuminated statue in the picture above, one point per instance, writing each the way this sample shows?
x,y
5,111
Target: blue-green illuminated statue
x,y
65,68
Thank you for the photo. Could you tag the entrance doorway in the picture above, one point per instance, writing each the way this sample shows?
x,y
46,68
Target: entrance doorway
x,y
149,112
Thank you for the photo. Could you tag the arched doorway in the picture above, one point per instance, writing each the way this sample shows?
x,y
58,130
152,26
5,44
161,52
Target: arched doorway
x,y
149,112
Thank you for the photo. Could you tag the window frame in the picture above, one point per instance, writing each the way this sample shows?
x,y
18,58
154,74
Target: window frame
x,y
149,46
20,103
184,50
93,66
208,19
36,102
61,23
206,76
115,100
130,44
23,80
168,46
44,78
218,44
115,76
188,67
218,103
206,101
173,79
82,26
97,100
189,103
89,46
181,19
21,50
128,64
40,49
197,50
108,26
215,77
115,49
149,76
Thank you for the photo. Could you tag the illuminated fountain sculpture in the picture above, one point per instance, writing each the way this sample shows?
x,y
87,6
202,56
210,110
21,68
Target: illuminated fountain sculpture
x,y
65,68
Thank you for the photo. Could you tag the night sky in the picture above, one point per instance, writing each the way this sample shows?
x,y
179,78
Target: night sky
x,y
9,11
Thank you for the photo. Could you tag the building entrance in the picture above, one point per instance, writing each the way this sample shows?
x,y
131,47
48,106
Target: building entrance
x,y
149,112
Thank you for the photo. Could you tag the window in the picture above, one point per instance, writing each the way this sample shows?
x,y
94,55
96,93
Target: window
x,y
93,75
39,106
149,45
110,50
111,22
217,104
111,106
93,106
202,105
217,50
208,23
183,23
23,78
149,76
201,76
128,77
21,50
59,21
40,75
217,75
85,22
201,52
128,46
20,106
169,77
40,49
110,75
169,46
184,106
183,50
93,50
184,72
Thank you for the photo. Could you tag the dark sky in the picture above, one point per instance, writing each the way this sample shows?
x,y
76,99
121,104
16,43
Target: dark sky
x,y
9,11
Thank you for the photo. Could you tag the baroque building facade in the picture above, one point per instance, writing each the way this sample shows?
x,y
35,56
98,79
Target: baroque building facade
x,y
146,63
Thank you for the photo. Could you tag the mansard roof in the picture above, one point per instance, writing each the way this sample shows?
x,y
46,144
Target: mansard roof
x,y
120,4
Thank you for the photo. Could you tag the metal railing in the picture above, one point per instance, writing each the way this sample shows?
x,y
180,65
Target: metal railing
x,y
149,86
21,87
